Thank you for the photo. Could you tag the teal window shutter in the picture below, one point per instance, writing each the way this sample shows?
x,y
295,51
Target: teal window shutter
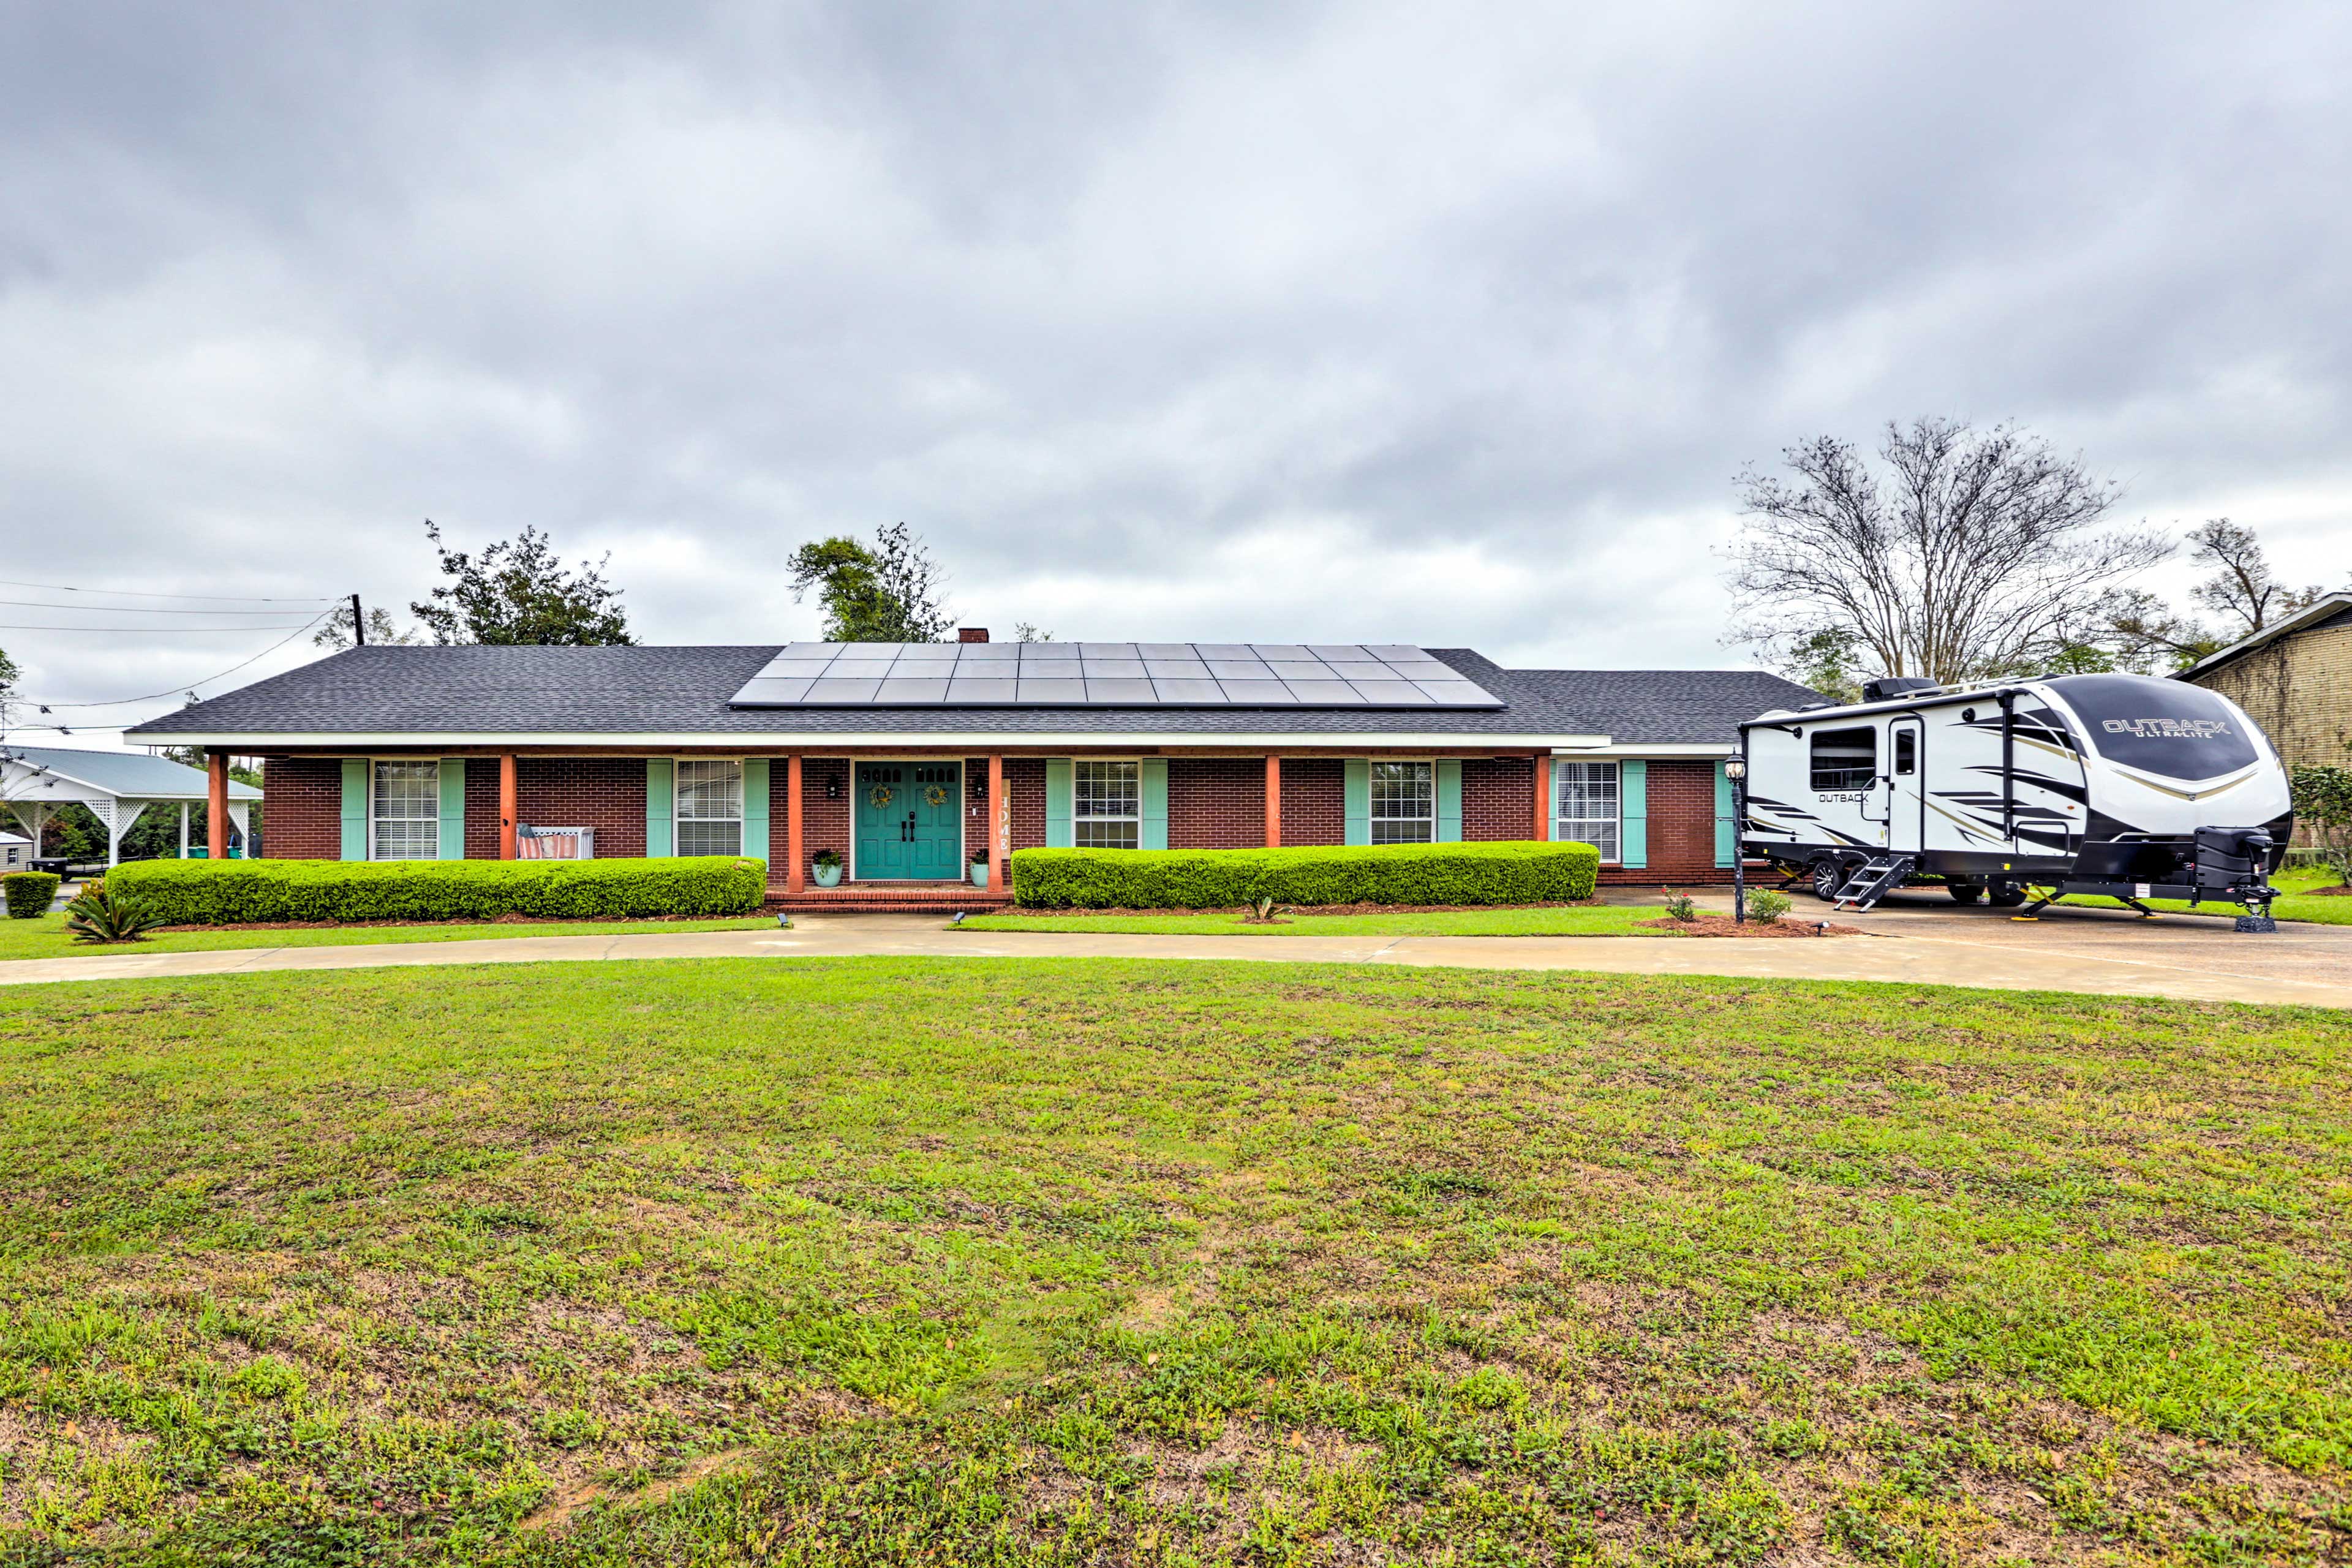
x,y
1449,802
1359,772
1725,829
755,807
453,809
355,808
1057,803
661,806
1633,814
1152,774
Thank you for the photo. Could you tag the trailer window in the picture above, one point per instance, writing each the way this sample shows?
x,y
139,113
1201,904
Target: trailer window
x,y
1845,759
2165,727
1907,750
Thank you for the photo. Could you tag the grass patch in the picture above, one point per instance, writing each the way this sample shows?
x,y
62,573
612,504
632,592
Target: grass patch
x,y
1583,920
44,936
879,1260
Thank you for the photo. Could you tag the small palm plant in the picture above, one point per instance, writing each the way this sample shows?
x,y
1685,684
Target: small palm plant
x,y
102,917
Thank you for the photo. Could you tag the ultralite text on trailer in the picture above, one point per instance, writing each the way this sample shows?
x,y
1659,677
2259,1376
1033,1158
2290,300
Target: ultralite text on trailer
x,y
2117,784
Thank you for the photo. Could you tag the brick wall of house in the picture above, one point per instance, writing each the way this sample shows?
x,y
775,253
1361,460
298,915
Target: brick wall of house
x,y
1499,798
607,793
482,808
302,808
1314,800
1682,828
1216,803
2299,689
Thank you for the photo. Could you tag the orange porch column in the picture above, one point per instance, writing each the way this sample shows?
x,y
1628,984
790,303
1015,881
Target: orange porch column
x,y
1273,801
796,878
217,823
1000,825
1543,796
508,808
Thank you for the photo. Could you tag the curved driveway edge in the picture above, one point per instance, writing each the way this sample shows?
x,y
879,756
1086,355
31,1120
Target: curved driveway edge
x,y
1941,957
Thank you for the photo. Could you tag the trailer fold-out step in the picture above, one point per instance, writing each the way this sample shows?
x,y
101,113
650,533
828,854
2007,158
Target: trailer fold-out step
x,y
1874,879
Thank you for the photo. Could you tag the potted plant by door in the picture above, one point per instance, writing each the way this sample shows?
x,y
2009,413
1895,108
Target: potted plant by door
x,y
980,869
825,866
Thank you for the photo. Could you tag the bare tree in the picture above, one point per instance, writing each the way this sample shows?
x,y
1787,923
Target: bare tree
x,y
1967,555
2243,590
2145,633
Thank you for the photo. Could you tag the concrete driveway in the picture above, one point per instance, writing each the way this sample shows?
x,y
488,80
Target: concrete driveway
x,y
1912,942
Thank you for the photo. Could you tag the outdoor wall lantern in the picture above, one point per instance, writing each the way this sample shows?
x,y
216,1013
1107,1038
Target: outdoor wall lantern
x,y
833,787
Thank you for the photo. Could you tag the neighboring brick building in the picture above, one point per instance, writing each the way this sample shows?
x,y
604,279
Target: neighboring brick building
x,y
2294,679
907,756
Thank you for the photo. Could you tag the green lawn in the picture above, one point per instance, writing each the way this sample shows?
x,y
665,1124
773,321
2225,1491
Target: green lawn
x,y
893,1261
44,936
1593,920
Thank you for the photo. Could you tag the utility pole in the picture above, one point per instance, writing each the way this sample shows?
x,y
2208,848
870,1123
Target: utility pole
x,y
358,627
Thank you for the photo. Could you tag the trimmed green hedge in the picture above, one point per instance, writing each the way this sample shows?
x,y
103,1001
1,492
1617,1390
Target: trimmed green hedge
x,y
29,892
245,892
1510,873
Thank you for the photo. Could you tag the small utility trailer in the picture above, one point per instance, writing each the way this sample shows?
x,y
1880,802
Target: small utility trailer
x,y
2125,785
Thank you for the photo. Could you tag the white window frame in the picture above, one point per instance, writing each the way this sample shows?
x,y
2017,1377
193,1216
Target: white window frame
x,y
677,817
1372,819
373,853
1562,824
1135,820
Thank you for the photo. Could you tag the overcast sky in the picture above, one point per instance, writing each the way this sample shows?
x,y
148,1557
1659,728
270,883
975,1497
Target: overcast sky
x,y
1442,324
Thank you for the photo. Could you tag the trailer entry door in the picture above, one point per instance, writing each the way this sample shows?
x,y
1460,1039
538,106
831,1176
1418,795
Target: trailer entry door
x,y
1907,777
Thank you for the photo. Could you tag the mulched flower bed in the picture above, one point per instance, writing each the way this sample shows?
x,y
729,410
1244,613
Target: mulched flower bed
x,y
1724,925
1307,911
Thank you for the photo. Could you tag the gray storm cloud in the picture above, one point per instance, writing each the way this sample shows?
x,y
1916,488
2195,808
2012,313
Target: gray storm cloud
x,y
1410,323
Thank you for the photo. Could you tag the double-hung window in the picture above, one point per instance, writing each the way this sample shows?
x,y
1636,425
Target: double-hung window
x,y
1589,806
1404,804
1105,801
407,810
709,807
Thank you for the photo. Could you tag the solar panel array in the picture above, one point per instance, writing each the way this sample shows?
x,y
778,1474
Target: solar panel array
x,y
1109,675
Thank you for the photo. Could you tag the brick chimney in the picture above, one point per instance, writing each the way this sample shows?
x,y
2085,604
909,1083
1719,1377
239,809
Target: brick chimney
x,y
972,633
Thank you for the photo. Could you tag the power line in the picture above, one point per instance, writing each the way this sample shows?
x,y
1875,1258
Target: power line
x,y
136,593
190,691
136,609
153,631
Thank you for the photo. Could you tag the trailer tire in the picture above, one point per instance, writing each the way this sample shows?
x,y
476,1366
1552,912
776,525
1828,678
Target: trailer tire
x,y
1966,892
2007,895
1829,876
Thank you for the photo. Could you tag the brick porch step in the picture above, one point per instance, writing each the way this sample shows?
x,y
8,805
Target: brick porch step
x,y
889,899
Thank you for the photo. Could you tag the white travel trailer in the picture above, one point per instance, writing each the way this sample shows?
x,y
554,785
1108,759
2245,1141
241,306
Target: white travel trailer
x,y
2121,784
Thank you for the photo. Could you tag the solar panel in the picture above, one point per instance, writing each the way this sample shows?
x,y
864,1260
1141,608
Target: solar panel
x,y
1109,675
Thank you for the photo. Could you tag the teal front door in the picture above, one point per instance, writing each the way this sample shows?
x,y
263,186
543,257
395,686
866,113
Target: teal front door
x,y
909,822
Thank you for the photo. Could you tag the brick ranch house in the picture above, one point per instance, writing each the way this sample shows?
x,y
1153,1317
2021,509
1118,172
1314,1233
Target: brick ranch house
x,y
910,760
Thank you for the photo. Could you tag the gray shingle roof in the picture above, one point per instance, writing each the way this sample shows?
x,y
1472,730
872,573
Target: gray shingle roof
x,y
685,690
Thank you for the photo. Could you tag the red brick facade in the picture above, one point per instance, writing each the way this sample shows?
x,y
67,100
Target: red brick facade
x,y
302,808
1213,803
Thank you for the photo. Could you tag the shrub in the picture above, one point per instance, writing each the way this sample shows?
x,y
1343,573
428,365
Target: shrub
x,y
1680,907
29,893
2323,807
1768,906
98,915
1513,873
235,892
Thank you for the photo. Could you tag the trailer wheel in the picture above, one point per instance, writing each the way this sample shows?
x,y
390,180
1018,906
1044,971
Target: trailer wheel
x,y
2007,895
1829,876
1966,892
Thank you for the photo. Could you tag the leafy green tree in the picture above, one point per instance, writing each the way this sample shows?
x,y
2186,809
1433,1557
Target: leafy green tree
x,y
888,591
2323,806
1829,661
9,677
516,592
383,631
